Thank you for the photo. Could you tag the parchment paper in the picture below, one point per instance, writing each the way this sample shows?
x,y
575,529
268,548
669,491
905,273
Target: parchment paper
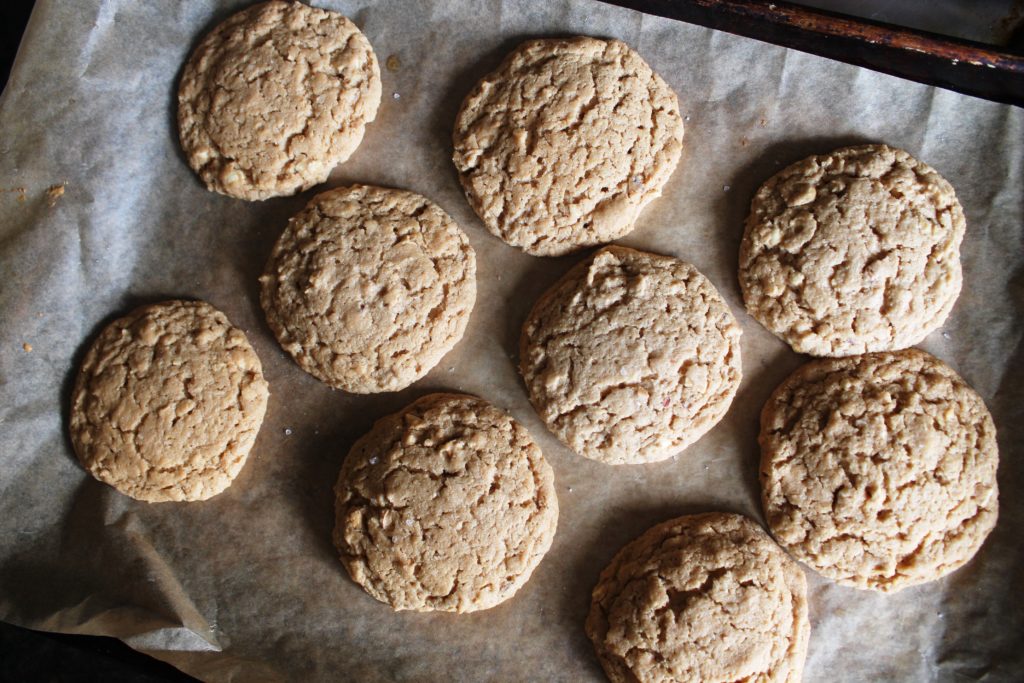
x,y
246,586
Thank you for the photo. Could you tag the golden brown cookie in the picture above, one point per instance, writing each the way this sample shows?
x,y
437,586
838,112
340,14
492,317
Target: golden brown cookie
x,y
853,251
701,598
566,142
630,357
168,402
368,287
879,471
447,505
274,98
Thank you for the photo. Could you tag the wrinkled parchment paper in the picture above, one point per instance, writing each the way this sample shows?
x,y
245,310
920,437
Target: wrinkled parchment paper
x,y
246,586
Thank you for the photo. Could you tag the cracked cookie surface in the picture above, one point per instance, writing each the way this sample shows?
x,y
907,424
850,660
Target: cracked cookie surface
x,y
368,287
630,357
706,598
565,143
879,471
447,505
274,98
167,403
853,251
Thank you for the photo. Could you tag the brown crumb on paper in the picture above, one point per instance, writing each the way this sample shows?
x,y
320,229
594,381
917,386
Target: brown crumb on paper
x,y
393,63
20,191
27,347
55,192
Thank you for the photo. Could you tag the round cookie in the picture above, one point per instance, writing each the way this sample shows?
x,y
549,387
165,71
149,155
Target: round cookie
x,y
168,402
447,505
565,143
630,357
368,287
879,471
853,251
701,598
275,97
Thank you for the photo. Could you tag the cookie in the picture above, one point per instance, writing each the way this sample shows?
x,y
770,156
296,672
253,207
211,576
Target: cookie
x,y
565,143
630,357
701,598
274,98
879,471
447,505
853,251
368,287
167,403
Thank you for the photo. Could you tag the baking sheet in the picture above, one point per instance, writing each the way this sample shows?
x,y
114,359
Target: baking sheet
x,y
100,213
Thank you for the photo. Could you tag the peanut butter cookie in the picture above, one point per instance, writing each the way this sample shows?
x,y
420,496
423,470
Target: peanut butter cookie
x,y
566,142
853,251
631,356
879,471
368,287
701,598
274,98
168,402
447,505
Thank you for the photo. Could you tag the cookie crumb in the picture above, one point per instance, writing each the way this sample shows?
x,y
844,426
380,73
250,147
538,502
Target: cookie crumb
x,y
55,192
20,191
27,347
393,63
